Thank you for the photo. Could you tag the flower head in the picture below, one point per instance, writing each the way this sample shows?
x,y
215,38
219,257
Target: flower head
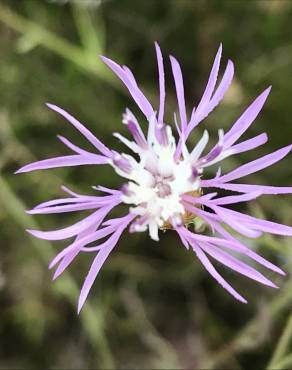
x,y
164,184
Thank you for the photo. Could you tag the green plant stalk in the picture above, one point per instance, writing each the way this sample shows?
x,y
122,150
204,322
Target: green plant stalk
x,y
85,60
282,345
91,322
238,344
285,363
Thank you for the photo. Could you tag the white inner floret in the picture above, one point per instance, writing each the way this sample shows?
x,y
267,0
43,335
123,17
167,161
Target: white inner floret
x,y
156,182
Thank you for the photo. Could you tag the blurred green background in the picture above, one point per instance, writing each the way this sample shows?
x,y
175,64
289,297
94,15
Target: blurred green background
x,y
153,305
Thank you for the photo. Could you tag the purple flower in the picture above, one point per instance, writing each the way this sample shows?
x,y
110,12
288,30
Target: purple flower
x,y
166,188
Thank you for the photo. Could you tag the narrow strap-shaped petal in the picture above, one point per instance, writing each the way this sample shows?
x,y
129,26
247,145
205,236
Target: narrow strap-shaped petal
x,y
65,262
249,144
209,239
213,272
83,240
261,225
99,261
130,144
132,87
236,265
179,86
161,82
63,201
74,229
107,190
215,100
238,247
232,199
199,148
222,88
96,266
246,188
242,147
210,85
82,129
73,147
65,161
69,257
130,76
65,208
106,199
238,226
257,164
246,119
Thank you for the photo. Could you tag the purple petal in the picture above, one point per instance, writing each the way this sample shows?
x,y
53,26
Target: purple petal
x,y
179,86
100,259
107,190
69,257
215,100
133,89
65,208
73,147
133,126
232,199
81,128
95,268
212,271
66,161
236,265
256,165
261,225
246,119
222,88
210,86
250,144
63,201
233,222
80,242
239,247
65,262
208,199
72,230
161,82
246,188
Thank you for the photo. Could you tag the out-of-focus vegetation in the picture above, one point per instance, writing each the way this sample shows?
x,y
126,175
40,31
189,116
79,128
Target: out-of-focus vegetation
x,y
153,305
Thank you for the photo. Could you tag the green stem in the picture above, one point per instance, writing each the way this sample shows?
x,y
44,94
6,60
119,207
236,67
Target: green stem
x,y
246,336
87,61
92,323
282,345
285,363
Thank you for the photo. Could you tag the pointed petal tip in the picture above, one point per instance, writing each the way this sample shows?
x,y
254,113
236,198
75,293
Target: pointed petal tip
x,y
80,305
230,64
157,47
267,91
105,59
32,232
57,273
172,59
280,272
51,106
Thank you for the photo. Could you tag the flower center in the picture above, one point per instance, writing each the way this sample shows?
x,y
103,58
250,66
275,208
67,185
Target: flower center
x,y
162,186
187,217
